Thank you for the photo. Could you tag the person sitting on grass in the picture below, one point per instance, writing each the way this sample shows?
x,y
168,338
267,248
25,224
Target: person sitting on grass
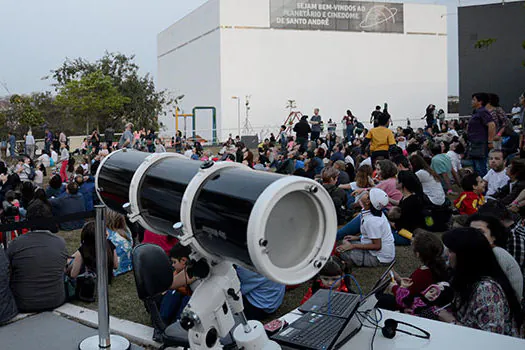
x,y
37,261
497,176
408,215
55,187
330,176
119,234
8,308
442,165
85,260
261,296
472,198
428,249
174,301
497,235
331,276
484,298
516,172
69,203
376,242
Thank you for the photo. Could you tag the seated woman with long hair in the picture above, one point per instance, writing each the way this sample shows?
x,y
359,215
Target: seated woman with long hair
x,y
484,298
119,234
408,215
428,249
84,259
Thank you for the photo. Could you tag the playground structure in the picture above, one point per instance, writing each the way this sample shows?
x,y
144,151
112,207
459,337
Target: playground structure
x,y
294,116
193,116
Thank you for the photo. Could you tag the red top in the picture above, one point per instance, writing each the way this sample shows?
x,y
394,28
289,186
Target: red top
x,y
421,279
308,295
468,202
165,242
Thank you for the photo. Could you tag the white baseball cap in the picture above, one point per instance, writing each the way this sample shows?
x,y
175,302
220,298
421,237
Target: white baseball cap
x,y
378,198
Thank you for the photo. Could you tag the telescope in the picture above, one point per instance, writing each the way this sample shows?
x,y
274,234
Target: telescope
x,y
282,227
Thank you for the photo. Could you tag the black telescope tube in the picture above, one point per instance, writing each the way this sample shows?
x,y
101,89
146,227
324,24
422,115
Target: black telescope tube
x,y
161,191
114,177
222,207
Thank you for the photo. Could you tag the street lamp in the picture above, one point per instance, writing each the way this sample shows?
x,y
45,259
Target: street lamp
x,y
238,114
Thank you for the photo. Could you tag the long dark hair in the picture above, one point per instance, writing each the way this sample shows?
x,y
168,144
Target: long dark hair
x,y
89,257
475,260
410,181
419,163
430,250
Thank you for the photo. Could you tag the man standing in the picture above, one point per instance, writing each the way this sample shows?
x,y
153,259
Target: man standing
x,y
109,136
349,121
316,122
37,264
62,138
126,140
48,141
30,144
11,140
480,131
302,129
374,118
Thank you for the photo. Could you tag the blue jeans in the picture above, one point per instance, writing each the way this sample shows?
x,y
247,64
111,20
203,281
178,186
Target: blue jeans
x,y
480,166
352,228
172,305
349,133
400,240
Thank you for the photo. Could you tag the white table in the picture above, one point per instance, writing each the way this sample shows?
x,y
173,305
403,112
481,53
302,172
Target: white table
x,y
443,336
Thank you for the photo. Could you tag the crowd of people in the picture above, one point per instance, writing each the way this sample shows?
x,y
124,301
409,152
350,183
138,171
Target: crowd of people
x,y
389,187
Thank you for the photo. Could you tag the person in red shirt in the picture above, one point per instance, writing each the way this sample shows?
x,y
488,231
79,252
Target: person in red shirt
x,y
472,198
428,249
331,275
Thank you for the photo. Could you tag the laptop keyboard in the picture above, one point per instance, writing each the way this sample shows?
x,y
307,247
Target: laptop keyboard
x,y
339,304
312,331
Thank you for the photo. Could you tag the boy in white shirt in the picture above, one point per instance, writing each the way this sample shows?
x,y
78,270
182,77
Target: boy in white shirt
x,y
375,245
497,176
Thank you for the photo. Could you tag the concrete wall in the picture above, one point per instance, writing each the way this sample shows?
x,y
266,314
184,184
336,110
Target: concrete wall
x,y
188,57
334,71
498,68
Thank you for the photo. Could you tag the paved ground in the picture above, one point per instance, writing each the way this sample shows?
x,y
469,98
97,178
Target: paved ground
x,y
45,331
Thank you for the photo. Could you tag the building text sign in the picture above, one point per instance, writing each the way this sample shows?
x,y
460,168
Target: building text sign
x,y
337,15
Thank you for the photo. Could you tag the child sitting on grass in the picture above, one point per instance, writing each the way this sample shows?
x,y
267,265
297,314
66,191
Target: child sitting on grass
x,y
331,276
174,301
472,198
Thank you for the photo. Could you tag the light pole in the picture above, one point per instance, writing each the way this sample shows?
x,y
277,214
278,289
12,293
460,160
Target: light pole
x,y
238,114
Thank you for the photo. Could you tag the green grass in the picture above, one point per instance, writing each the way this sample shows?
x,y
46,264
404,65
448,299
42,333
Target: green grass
x,y
124,302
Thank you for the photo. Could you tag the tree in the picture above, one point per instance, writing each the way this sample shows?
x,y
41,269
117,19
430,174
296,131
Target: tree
x,y
92,99
145,103
21,114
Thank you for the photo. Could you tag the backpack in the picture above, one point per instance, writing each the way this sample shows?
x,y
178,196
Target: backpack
x,y
86,286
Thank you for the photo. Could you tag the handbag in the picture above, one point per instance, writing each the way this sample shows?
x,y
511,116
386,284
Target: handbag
x,y
477,150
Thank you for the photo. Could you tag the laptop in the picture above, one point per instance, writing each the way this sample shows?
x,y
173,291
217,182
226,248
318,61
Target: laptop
x,y
324,326
341,304
315,331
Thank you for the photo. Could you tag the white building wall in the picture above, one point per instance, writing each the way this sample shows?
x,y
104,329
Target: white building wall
x,y
188,57
334,71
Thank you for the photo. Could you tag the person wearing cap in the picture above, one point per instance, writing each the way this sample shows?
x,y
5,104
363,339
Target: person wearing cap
x,y
375,245
126,140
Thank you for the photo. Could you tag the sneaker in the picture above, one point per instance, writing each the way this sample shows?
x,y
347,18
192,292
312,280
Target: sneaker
x,y
157,335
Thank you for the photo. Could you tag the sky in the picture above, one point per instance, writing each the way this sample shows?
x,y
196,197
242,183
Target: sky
x,y
36,36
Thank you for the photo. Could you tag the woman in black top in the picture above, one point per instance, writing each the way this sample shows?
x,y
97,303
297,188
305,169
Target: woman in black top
x,y
409,212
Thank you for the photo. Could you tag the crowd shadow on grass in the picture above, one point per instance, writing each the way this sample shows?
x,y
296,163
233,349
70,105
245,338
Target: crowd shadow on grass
x,y
124,302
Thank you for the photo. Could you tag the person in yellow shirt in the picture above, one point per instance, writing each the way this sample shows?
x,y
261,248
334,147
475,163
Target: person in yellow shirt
x,y
380,139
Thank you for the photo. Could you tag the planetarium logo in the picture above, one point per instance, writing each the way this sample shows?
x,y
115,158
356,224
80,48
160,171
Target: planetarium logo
x,y
378,15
